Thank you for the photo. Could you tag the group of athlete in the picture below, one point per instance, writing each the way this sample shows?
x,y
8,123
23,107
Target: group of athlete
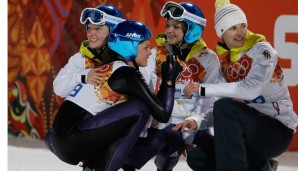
x,y
125,103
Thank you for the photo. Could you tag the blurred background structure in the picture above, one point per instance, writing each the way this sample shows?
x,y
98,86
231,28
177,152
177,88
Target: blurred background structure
x,y
43,34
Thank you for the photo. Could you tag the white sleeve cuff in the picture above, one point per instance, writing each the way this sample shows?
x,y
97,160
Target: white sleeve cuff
x,y
200,89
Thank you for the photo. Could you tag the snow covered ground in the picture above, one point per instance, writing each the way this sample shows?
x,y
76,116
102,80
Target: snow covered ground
x,y
26,154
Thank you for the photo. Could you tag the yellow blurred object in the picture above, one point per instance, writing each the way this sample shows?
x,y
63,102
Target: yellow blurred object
x,y
220,3
160,39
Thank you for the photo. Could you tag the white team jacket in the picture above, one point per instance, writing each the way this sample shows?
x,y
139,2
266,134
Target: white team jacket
x,y
269,96
68,85
198,108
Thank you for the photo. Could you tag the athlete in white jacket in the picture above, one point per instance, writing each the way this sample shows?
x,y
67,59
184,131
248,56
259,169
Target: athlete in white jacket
x,y
97,124
254,118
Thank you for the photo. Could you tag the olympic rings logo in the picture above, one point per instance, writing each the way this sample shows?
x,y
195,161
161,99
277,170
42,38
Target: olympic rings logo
x,y
238,69
190,70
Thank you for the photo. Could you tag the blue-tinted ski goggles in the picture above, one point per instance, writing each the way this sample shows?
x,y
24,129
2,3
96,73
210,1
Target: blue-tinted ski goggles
x,y
177,12
98,17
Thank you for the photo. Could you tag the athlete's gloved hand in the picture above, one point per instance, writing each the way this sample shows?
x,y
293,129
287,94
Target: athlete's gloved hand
x,y
170,71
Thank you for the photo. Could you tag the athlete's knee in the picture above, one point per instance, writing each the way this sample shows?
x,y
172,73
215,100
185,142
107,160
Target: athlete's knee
x,y
222,103
222,107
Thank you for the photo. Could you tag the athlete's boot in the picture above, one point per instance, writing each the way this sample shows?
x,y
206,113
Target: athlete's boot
x,y
271,165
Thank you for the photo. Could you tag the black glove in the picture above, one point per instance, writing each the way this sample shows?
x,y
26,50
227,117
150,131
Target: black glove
x,y
170,71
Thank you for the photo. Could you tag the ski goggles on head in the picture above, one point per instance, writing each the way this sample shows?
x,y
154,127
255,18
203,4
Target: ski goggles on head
x,y
98,17
177,12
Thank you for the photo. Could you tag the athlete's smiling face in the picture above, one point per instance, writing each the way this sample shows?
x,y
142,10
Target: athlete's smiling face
x,y
143,53
97,35
175,31
235,36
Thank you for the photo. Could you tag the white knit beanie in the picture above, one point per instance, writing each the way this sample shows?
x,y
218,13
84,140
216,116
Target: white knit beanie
x,y
226,16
